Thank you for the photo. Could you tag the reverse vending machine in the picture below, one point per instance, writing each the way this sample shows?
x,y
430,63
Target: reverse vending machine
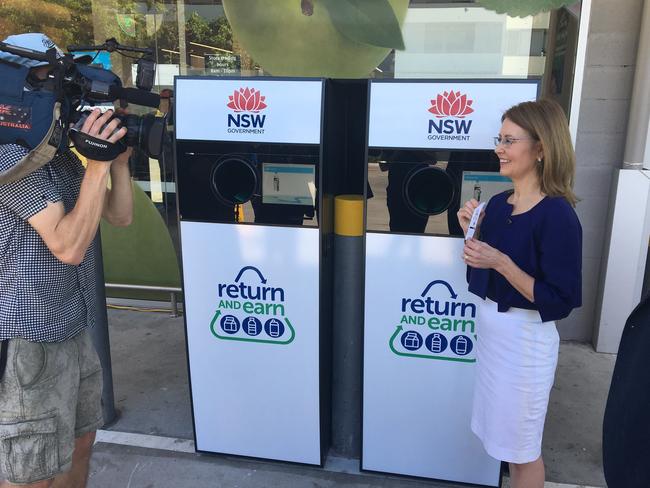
x,y
255,225
430,148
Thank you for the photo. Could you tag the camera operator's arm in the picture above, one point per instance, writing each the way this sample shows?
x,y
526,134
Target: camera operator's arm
x,y
118,206
68,236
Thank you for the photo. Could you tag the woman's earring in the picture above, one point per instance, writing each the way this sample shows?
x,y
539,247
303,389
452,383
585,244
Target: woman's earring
x,y
539,160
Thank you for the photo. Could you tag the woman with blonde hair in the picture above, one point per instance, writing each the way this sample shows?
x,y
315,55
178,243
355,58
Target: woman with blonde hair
x,y
526,266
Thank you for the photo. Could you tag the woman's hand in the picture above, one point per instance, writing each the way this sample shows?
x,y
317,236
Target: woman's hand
x,y
465,215
480,255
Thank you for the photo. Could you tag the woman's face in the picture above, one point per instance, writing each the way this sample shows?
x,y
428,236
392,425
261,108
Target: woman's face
x,y
518,158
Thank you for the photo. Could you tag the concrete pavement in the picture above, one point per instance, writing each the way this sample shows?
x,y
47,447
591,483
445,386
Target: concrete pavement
x,y
151,392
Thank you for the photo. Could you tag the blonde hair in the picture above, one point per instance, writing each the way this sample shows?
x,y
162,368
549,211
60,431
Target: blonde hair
x,y
545,121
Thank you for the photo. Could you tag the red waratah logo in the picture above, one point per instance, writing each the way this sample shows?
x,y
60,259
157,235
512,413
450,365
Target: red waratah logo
x,y
246,100
451,104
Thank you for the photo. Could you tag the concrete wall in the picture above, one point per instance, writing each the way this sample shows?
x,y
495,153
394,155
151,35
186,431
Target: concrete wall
x,y
607,88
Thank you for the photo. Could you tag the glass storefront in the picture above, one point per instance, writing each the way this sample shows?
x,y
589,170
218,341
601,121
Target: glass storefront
x,y
441,39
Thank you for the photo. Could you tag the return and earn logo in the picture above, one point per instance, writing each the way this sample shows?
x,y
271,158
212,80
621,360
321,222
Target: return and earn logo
x,y
249,311
435,328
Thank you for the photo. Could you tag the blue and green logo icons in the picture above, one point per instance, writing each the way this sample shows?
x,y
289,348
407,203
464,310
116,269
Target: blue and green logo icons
x,y
251,311
436,325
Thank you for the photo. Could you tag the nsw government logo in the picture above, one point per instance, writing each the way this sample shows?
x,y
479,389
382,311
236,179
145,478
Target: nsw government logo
x,y
246,105
251,311
436,325
450,109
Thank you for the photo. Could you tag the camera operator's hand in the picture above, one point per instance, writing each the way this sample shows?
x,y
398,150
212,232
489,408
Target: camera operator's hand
x,y
102,127
123,158
118,202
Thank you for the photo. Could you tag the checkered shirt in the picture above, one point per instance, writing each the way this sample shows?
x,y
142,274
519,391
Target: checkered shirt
x,y
41,299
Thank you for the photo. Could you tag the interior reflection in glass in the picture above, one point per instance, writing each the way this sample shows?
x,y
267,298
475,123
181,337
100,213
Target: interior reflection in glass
x,y
419,192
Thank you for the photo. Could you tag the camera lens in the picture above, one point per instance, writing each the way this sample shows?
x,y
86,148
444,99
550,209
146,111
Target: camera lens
x,y
145,132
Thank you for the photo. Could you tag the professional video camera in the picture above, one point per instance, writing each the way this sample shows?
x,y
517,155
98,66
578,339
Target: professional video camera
x,y
41,113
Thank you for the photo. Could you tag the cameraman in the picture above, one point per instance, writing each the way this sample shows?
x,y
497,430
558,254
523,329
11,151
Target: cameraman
x,y
50,391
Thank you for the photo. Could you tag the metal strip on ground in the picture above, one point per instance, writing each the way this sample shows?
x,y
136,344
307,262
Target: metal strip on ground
x,y
146,441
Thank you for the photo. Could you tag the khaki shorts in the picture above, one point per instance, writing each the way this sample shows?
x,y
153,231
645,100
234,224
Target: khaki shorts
x,y
50,394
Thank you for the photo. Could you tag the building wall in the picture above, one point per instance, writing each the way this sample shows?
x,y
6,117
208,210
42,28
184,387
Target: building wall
x,y
606,91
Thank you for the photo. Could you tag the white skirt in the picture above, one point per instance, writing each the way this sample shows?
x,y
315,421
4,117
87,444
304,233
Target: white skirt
x,y
516,356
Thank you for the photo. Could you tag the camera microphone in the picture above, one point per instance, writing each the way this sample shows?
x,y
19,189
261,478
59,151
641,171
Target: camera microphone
x,y
136,96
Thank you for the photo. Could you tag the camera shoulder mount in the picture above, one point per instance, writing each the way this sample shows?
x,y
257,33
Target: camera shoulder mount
x,y
33,119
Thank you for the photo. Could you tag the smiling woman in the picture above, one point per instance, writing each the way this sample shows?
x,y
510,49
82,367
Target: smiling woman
x,y
518,152
527,269
550,150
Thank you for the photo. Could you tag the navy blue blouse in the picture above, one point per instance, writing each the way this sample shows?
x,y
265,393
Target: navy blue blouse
x,y
546,243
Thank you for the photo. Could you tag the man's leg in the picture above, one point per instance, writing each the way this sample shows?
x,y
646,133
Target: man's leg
x,y
50,400
77,477
88,414
35,400
40,484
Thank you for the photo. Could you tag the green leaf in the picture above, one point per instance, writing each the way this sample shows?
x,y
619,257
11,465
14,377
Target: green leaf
x,y
370,22
142,253
523,8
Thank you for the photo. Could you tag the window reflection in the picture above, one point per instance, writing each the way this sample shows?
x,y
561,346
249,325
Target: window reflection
x,y
443,39
419,192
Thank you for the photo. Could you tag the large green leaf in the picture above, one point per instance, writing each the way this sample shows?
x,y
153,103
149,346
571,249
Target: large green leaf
x,y
523,8
370,22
